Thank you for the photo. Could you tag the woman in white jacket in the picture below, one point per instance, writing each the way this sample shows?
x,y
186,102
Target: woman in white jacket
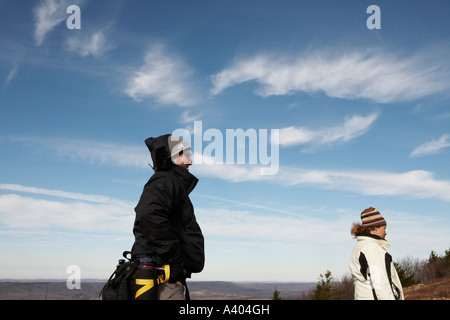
x,y
373,272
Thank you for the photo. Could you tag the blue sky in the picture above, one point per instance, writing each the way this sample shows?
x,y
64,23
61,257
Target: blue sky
x,y
363,118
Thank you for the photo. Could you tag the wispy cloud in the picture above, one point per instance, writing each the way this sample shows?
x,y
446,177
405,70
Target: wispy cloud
x,y
189,117
352,127
94,44
48,14
377,76
18,211
244,220
419,184
98,153
58,193
252,224
11,75
88,212
61,208
432,147
164,77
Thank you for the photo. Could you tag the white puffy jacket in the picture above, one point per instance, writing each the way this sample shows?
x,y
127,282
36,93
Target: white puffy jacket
x,y
373,271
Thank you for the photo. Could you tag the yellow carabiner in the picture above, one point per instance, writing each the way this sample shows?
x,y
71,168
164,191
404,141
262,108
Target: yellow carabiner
x,y
165,277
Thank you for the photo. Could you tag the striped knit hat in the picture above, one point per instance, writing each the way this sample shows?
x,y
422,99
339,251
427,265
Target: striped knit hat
x,y
372,217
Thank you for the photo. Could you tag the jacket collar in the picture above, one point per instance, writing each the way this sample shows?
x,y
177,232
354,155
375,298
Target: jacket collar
x,y
372,237
188,180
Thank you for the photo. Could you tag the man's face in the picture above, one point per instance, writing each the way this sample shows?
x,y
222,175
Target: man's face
x,y
185,159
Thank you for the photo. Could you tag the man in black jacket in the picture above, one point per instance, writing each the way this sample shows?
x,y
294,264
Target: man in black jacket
x,y
165,227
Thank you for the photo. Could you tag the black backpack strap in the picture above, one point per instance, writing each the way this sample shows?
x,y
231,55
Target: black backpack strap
x,y
125,254
123,271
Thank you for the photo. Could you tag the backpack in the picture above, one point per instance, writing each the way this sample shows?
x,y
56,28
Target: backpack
x,y
120,284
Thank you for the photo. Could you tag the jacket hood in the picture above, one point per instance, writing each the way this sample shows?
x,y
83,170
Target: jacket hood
x,y
160,152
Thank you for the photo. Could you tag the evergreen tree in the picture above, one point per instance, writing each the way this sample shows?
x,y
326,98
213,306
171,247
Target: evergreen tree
x,y
406,280
326,290
276,294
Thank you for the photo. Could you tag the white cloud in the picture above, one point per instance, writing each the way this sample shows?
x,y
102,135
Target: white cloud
x,y
95,44
188,117
74,211
247,224
432,147
58,193
86,212
164,77
48,14
369,75
18,211
350,129
418,184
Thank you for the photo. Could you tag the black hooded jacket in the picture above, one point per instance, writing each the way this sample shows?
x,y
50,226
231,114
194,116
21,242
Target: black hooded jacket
x,y
165,226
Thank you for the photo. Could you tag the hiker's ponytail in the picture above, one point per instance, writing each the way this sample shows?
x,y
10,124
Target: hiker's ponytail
x,y
358,229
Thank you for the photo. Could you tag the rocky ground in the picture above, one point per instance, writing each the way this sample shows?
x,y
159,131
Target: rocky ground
x,y
436,289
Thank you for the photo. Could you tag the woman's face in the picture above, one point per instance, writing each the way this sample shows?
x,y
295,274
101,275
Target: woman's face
x,y
380,231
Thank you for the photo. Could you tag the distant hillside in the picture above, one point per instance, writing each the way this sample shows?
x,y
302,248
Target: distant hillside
x,y
201,290
218,290
36,290
436,289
